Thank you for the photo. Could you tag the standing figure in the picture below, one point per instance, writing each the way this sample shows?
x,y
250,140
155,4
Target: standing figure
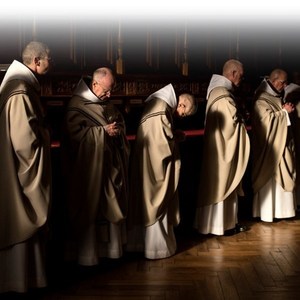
x,y
155,167
292,95
225,155
95,158
25,173
273,170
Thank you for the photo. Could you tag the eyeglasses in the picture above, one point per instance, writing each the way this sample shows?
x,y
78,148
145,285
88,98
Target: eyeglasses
x,y
283,81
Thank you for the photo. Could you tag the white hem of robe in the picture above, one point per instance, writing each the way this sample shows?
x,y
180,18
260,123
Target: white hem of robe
x,y
157,241
22,267
272,201
219,217
160,241
96,244
114,247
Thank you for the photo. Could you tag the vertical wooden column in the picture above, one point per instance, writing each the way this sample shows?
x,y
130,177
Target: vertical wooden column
x,y
185,64
119,62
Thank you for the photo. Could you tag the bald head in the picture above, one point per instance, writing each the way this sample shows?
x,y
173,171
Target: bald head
x,y
234,71
34,49
278,78
277,73
103,82
102,72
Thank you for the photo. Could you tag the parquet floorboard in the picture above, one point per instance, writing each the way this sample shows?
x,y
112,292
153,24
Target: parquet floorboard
x,y
261,263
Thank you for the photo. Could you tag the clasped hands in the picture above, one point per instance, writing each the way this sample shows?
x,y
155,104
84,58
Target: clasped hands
x,y
112,129
288,106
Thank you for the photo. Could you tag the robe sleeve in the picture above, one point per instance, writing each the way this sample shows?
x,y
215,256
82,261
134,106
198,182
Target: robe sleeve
x,y
160,148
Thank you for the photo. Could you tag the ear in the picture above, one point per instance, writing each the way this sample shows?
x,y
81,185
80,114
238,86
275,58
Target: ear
x,y
37,61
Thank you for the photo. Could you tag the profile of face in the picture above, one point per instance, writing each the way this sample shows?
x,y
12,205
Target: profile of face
x,y
103,87
237,76
43,64
280,83
184,107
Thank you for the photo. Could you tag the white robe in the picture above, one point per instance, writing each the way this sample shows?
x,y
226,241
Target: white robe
x,y
23,266
219,217
156,241
272,201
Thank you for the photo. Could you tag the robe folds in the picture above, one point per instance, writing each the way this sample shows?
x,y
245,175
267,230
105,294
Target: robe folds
x,y
95,165
226,149
25,176
273,146
292,94
25,181
155,168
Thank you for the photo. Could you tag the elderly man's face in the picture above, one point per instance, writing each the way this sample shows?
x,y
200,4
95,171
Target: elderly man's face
x,y
280,83
238,77
184,107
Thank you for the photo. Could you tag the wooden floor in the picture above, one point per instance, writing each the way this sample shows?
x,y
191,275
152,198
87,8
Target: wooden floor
x,y
262,263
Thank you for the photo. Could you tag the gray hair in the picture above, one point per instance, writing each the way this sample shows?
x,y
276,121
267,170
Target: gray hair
x,y
34,49
102,72
277,73
230,66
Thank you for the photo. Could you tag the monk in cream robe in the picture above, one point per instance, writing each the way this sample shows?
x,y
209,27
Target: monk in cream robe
x,y
155,168
25,175
273,171
225,155
292,94
96,167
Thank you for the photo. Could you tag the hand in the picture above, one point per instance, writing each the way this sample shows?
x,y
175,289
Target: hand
x,y
288,106
112,129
